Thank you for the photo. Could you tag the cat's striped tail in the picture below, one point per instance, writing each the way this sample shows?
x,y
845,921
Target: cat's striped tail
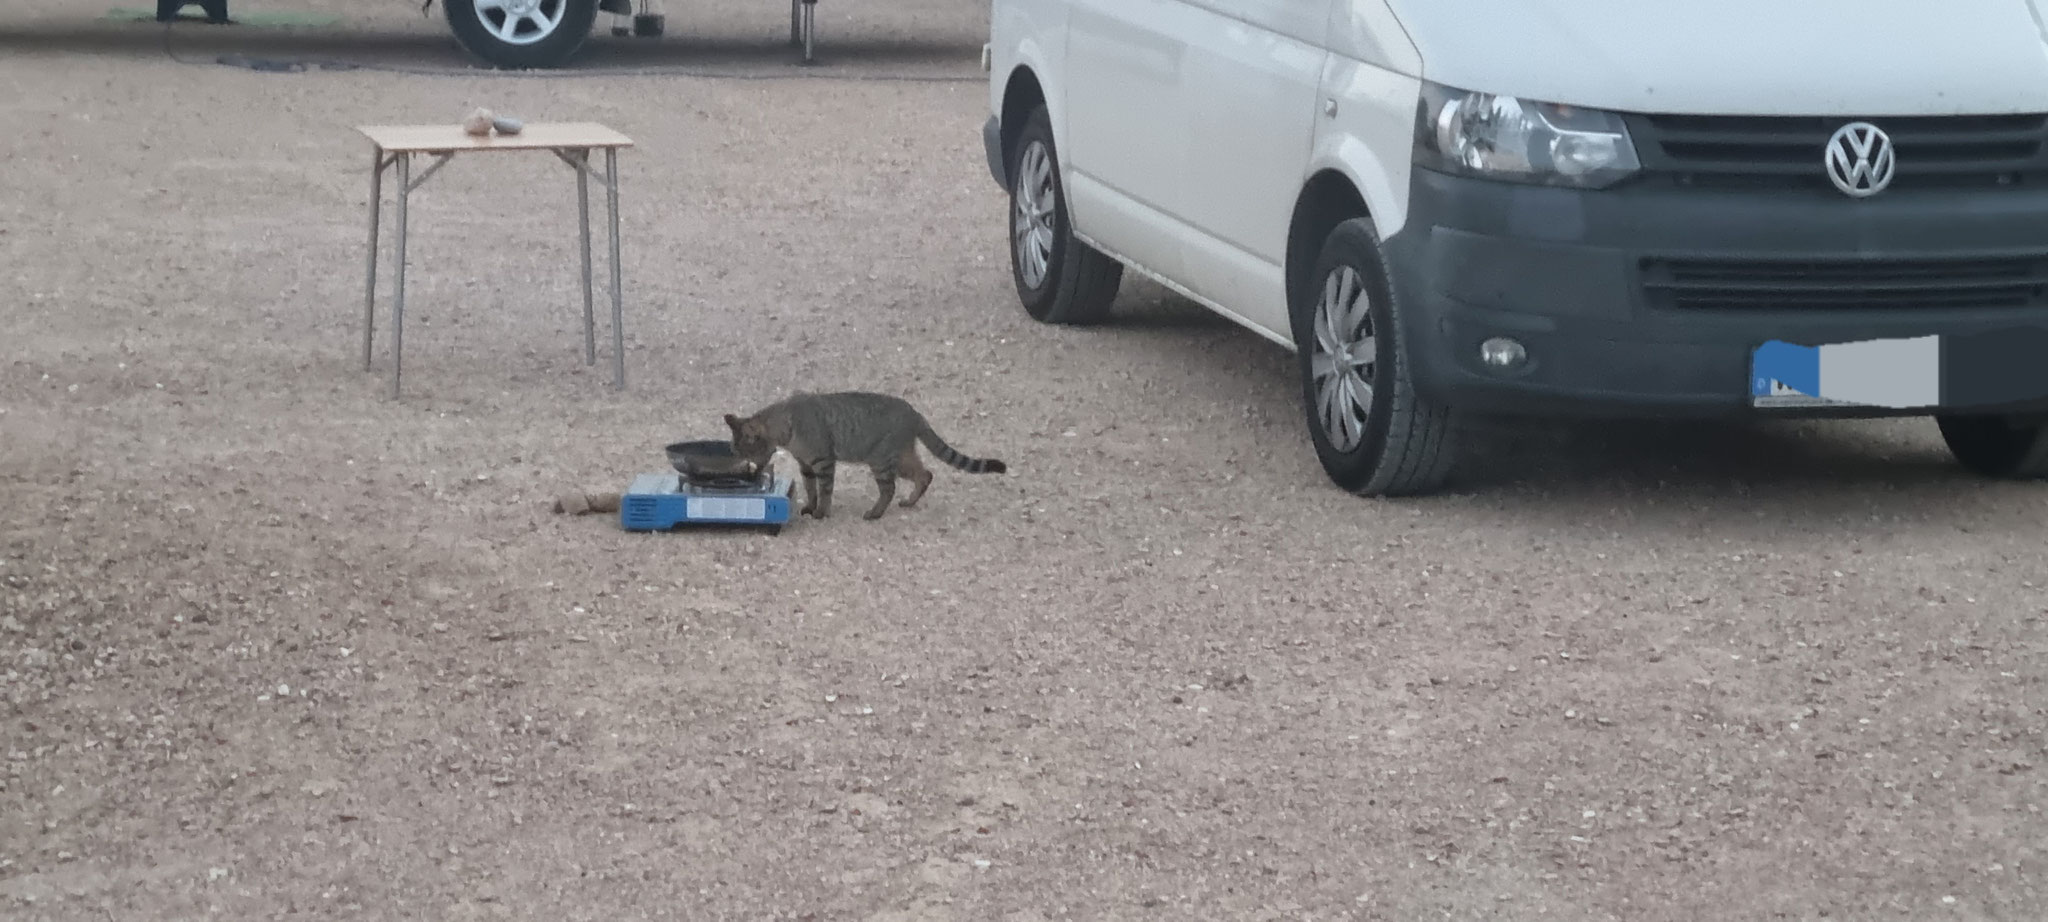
x,y
945,452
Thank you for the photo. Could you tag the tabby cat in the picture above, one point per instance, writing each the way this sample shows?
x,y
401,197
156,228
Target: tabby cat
x,y
856,427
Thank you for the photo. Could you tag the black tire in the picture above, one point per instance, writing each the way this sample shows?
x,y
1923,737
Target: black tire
x,y
2001,447
472,29
1079,282
1405,445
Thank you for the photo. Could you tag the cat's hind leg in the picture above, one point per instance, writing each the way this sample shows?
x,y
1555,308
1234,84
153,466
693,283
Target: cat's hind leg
x,y
912,467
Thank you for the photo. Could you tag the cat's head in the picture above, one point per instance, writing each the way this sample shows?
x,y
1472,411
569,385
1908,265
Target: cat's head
x,y
750,439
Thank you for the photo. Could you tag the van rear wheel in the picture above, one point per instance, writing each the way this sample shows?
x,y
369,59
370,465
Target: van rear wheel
x,y
521,33
2003,447
1374,435
1059,279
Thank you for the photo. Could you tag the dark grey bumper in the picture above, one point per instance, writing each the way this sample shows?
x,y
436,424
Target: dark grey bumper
x,y
1651,300
992,143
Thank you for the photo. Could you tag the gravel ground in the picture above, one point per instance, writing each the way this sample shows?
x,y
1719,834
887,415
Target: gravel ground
x,y
274,644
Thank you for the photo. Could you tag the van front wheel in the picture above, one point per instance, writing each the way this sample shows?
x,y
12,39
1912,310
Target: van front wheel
x,y
2000,447
1374,435
1059,279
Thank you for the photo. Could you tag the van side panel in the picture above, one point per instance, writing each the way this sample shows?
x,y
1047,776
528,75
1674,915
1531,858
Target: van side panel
x,y
1125,147
1304,21
1248,95
1192,125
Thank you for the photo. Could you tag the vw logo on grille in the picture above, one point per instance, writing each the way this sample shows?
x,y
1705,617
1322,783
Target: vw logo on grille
x,y
1860,159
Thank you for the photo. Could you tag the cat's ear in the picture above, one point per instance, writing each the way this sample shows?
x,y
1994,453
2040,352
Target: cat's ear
x,y
735,422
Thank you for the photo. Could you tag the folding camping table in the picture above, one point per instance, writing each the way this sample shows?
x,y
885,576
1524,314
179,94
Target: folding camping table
x,y
570,141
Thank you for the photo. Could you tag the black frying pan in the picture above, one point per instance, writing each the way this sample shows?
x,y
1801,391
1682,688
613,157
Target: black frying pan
x,y
709,459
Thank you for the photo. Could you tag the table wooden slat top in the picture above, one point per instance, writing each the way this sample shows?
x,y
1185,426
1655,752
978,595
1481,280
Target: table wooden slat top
x,y
435,139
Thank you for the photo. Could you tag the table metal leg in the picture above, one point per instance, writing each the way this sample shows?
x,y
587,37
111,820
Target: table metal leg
x,y
796,23
583,225
810,28
398,280
370,275
611,175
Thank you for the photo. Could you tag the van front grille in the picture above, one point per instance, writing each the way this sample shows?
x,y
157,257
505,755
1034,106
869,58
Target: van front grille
x,y
1846,284
1786,152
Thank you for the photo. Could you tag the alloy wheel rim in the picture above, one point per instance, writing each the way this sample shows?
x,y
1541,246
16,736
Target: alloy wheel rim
x,y
521,22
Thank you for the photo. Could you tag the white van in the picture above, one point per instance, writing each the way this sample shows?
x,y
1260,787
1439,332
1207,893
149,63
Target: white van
x,y
1637,207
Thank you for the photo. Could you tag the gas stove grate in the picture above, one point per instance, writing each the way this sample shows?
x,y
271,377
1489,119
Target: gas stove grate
x,y
728,483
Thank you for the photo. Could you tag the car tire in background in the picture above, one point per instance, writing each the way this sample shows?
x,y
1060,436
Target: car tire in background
x,y
518,34
2001,447
1374,435
1059,279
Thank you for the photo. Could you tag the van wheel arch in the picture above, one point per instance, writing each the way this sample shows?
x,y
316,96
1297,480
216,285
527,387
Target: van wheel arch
x,y
1328,199
1021,94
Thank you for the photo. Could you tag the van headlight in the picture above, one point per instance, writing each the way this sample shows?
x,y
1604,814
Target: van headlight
x,y
1502,137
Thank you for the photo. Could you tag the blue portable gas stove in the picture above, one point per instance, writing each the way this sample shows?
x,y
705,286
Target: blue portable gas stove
x,y
711,487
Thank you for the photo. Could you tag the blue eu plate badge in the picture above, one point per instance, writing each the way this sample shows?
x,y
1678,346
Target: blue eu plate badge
x,y
1892,373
